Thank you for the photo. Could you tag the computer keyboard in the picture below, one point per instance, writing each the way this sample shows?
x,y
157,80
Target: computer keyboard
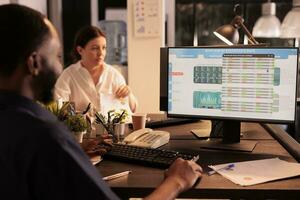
x,y
169,122
159,158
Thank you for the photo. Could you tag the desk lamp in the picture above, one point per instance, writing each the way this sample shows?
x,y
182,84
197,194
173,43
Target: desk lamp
x,y
229,34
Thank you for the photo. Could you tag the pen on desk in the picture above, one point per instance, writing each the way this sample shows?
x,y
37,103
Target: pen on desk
x,y
107,178
229,166
195,158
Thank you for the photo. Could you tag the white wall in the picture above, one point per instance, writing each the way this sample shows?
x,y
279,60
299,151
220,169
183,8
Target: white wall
x,y
116,14
143,62
40,5
4,2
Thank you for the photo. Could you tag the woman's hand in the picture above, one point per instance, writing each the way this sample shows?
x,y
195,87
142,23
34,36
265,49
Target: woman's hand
x,y
123,91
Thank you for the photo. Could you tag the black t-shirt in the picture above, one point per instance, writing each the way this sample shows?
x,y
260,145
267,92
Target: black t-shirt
x,y
40,159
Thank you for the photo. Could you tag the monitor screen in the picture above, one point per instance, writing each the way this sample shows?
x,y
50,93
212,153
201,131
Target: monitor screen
x,y
240,83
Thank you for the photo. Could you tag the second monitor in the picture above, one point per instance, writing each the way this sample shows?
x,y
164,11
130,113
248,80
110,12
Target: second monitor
x,y
233,85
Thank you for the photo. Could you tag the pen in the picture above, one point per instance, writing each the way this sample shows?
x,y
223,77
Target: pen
x,y
227,167
120,117
107,178
195,158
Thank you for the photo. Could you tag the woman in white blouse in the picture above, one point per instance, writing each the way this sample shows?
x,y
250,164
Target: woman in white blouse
x,y
90,79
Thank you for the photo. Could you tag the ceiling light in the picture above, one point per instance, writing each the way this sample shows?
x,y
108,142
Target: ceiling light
x,y
268,25
290,27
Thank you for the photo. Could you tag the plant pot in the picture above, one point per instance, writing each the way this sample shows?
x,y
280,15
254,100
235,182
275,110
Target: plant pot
x,y
119,131
78,136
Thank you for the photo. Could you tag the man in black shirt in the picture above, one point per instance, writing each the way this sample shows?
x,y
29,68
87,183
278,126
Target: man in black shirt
x,y
39,159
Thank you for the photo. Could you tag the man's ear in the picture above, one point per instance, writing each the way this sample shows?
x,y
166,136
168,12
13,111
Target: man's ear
x,y
32,64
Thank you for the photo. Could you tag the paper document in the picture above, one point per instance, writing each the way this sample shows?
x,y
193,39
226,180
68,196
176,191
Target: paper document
x,y
254,172
95,160
110,102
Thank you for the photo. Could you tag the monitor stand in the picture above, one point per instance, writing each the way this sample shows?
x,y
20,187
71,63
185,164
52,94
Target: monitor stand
x,y
230,131
212,129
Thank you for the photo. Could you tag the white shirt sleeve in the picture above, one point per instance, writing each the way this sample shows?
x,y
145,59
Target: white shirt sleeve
x,y
119,80
62,90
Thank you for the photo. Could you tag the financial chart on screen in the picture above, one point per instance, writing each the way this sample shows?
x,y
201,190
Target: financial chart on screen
x,y
251,84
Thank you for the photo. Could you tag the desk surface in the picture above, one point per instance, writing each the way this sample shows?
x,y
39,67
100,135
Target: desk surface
x,y
143,180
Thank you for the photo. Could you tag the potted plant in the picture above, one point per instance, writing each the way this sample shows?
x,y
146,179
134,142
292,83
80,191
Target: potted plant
x,y
76,122
114,123
61,111
120,116
78,125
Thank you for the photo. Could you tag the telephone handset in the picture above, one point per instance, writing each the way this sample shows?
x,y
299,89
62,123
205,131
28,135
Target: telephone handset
x,y
146,137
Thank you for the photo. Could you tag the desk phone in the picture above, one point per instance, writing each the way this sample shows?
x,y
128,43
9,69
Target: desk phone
x,y
146,137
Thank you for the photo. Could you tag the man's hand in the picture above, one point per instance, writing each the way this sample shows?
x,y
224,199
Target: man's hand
x,y
181,176
184,172
97,146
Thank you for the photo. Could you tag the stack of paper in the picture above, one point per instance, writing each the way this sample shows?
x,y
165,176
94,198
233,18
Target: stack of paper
x,y
254,172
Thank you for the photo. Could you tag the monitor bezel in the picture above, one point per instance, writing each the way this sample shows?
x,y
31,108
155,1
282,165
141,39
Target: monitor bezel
x,y
244,119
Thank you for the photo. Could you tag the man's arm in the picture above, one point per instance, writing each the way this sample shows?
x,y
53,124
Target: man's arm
x,y
181,176
66,170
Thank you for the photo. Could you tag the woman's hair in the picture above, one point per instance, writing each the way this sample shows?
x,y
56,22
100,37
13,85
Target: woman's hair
x,y
83,36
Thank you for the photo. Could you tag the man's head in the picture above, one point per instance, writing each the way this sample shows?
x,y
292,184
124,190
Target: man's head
x,y
30,51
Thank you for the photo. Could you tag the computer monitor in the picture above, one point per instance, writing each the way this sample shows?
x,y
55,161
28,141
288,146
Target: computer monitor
x,y
233,84
163,86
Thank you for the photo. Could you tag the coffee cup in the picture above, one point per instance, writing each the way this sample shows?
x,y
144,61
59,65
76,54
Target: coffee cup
x,y
139,120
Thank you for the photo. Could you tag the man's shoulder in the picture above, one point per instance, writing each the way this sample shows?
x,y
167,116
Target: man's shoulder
x,y
23,123
55,130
